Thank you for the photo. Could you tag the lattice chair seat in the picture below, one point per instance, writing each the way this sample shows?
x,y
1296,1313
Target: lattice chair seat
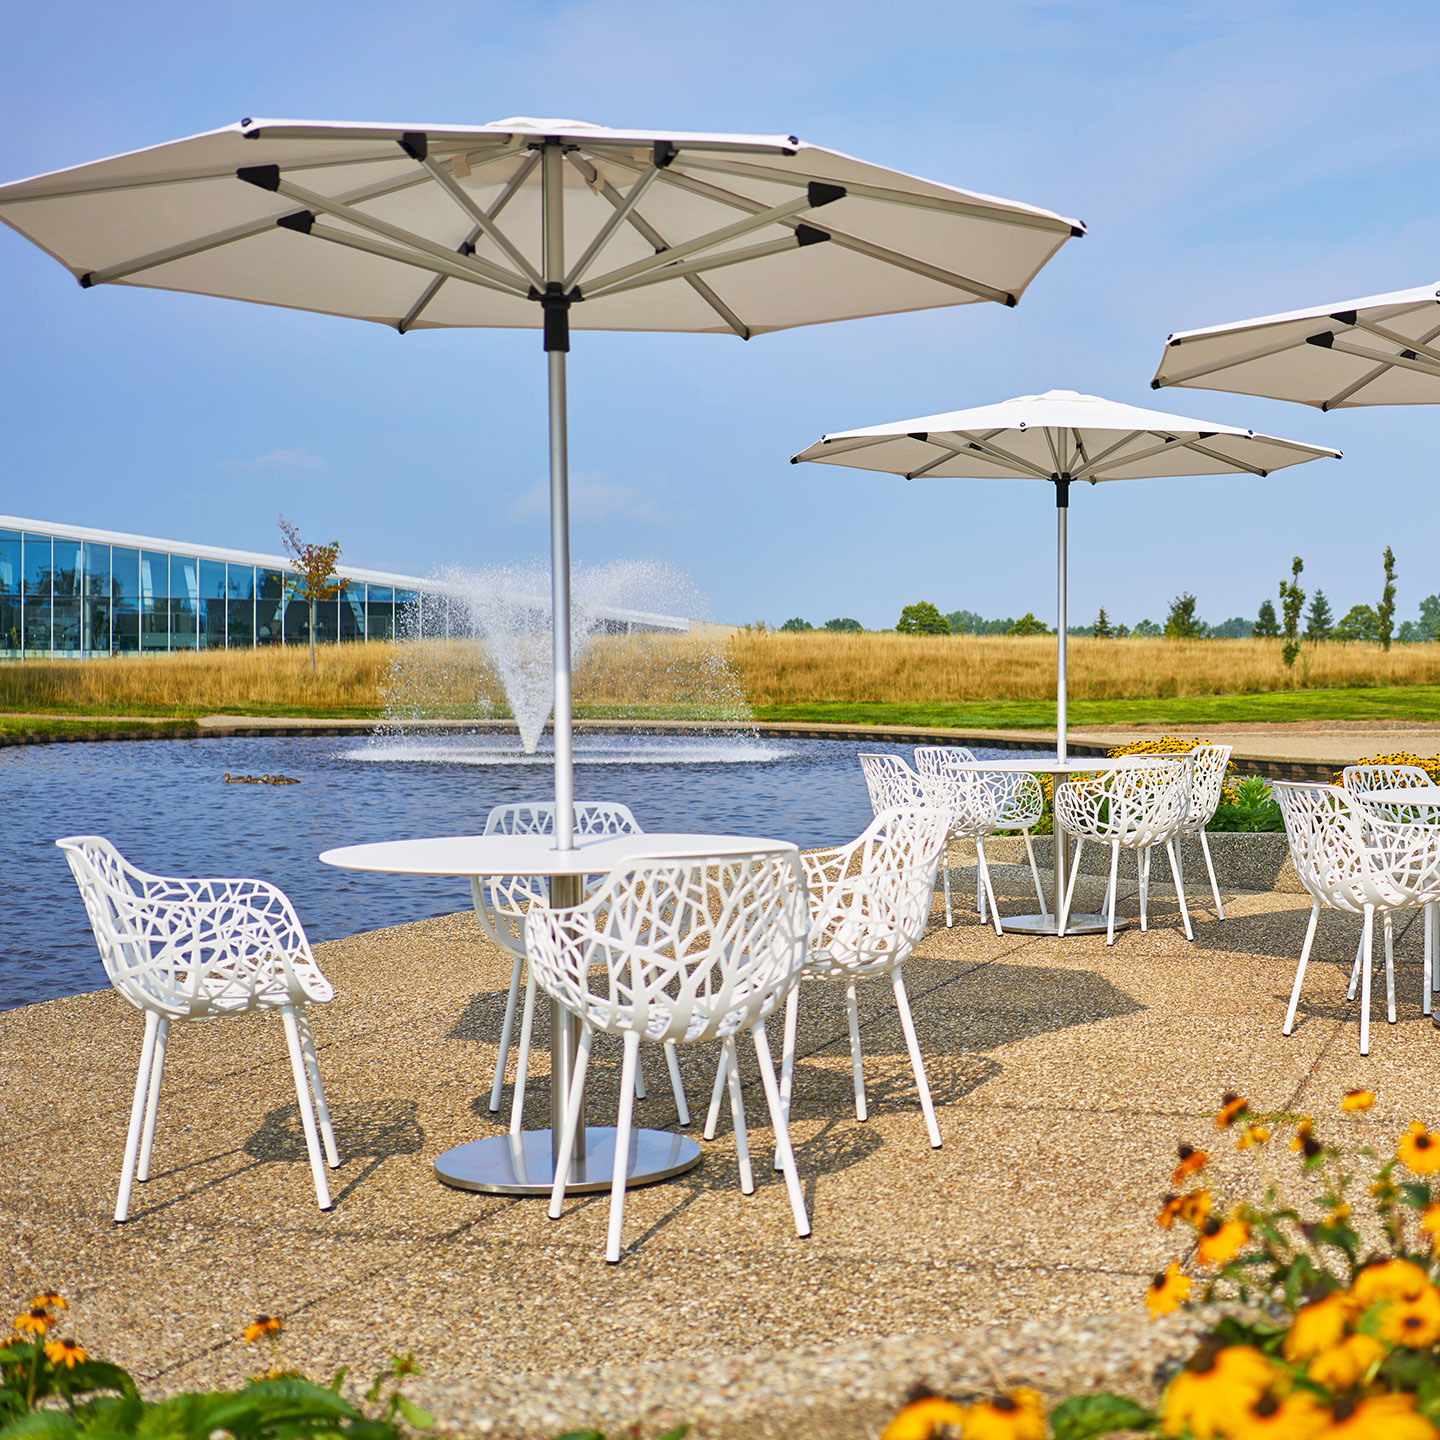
x,y
677,949
1207,783
182,950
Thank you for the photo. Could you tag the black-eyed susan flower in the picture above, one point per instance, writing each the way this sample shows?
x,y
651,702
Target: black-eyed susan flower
x,y
35,1321
1192,1162
1430,1222
1413,1322
49,1300
1393,1279
1214,1390
1304,1133
1017,1415
1419,1150
1357,1100
1167,1291
67,1352
1251,1135
1378,1417
923,1417
1221,1241
1232,1107
260,1327
1296,1416
1344,1364
1319,1325
1192,1207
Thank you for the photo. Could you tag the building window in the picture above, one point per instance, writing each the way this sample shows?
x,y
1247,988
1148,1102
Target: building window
x,y
11,611
68,582
240,608
95,598
271,586
154,601
212,604
184,602
124,599
380,613
38,576
352,610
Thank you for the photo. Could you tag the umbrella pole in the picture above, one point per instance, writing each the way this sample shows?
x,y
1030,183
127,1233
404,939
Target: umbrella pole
x,y
1060,840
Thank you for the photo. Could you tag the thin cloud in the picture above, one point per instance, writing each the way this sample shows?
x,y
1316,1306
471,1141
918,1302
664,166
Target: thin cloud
x,y
598,501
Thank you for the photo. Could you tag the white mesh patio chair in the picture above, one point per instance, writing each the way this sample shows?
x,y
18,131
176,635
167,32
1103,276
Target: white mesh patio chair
x,y
1355,859
1361,781
183,950
981,802
1207,782
684,949
501,904
1135,808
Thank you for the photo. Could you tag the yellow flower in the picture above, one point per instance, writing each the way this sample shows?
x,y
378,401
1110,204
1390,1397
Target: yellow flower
x,y
1419,1150
1020,1415
1296,1417
1342,1365
1193,1207
260,1326
1319,1325
1251,1135
1192,1162
48,1301
1413,1322
1221,1241
35,1321
68,1353
1357,1100
922,1417
1167,1291
1232,1107
1430,1222
1388,1280
1209,1401
1381,1417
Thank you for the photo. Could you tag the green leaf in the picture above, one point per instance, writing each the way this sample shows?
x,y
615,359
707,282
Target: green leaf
x,y
1415,1195
414,1416
581,1435
678,1433
94,1375
51,1424
1083,1417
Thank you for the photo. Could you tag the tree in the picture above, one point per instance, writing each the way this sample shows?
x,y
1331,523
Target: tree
x,y
1237,627
1359,623
795,624
922,619
1429,626
1408,633
1385,610
967,622
1027,624
317,579
1102,627
1147,630
1292,600
845,625
1267,627
1183,623
1319,622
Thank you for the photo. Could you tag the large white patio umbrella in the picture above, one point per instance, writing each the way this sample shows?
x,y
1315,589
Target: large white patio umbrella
x,y
1380,350
550,224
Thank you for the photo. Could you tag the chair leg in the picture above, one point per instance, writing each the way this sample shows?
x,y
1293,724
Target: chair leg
x,y
857,1064
1432,911
722,1074
1144,867
505,1032
945,871
137,1117
1389,968
639,1077
989,887
152,1103
1300,969
302,1098
1067,907
1179,875
737,1119
917,1064
1035,876
677,1085
317,1090
522,1057
779,1119
570,1124
787,1055
1367,941
1355,968
622,1147
1110,889
1214,883
1427,985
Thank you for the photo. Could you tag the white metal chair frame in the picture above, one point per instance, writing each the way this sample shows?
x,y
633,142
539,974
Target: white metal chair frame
x,y
1136,808
1206,785
501,905
1354,858
683,949
190,950
980,803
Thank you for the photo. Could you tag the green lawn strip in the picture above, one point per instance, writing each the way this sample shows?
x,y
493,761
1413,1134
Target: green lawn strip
x,y
54,725
1397,702
190,713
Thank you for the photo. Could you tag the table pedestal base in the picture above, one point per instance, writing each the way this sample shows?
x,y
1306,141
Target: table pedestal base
x,y
522,1164
1074,924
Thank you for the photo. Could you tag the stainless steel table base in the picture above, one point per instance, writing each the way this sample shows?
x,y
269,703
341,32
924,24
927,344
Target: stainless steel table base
x,y
1047,925
522,1164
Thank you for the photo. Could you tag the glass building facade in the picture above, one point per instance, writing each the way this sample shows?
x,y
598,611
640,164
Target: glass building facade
x,y
65,591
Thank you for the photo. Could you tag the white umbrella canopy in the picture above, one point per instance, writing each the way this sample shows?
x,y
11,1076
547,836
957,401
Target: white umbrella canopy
x,y
1379,350
534,223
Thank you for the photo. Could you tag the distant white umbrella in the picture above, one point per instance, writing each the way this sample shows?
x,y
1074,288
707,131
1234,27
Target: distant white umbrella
x,y
1062,438
552,224
1381,350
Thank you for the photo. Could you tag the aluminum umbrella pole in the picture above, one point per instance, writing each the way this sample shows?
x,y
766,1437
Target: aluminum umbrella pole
x,y
1060,843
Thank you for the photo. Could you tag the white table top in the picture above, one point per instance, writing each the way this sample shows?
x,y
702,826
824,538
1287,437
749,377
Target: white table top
x,y
532,854
1075,764
1404,795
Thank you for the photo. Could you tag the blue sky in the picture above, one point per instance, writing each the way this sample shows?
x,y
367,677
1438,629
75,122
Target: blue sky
x,y
1230,159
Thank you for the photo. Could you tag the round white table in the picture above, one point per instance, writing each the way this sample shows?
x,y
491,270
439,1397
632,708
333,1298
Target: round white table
x,y
1404,795
524,1163
1058,922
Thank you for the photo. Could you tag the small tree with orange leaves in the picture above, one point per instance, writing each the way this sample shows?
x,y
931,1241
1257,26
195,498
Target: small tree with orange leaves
x,y
318,578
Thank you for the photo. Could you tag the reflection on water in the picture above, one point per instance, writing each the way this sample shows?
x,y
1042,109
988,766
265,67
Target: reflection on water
x,y
500,749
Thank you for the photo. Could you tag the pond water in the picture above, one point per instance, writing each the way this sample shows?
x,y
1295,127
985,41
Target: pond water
x,y
167,808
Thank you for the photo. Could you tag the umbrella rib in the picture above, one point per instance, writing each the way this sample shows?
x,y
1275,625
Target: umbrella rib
x,y
1060,467
1261,352
1369,378
618,216
1092,464
1079,450
443,177
679,268
1210,454
1363,352
453,270
848,446
1420,346
986,447
934,464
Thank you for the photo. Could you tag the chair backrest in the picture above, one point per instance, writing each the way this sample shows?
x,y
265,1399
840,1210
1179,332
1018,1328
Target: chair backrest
x,y
980,801
187,948
680,948
1142,804
1358,779
1349,856
501,901
870,900
890,781
1207,783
